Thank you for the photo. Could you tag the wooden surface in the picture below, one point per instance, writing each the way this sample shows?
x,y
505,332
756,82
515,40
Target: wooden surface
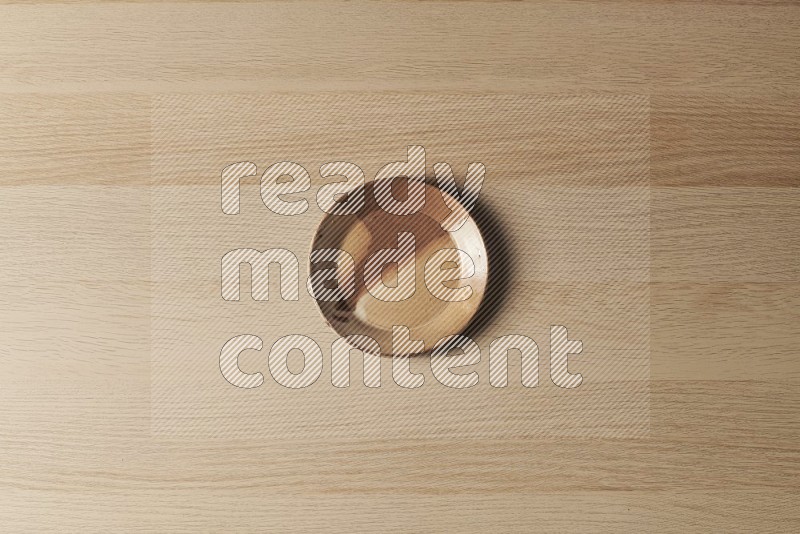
x,y
77,86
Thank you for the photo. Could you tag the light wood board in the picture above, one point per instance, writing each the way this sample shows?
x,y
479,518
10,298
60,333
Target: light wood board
x,y
78,83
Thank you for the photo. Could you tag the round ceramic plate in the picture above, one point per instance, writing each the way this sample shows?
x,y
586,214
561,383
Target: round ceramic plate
x,y
368,305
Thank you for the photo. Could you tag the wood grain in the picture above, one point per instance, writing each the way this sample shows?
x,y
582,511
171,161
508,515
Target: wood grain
x,y
530,47
77,86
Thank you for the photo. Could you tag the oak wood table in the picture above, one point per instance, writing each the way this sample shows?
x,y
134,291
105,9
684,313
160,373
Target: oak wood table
x,y
676,124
